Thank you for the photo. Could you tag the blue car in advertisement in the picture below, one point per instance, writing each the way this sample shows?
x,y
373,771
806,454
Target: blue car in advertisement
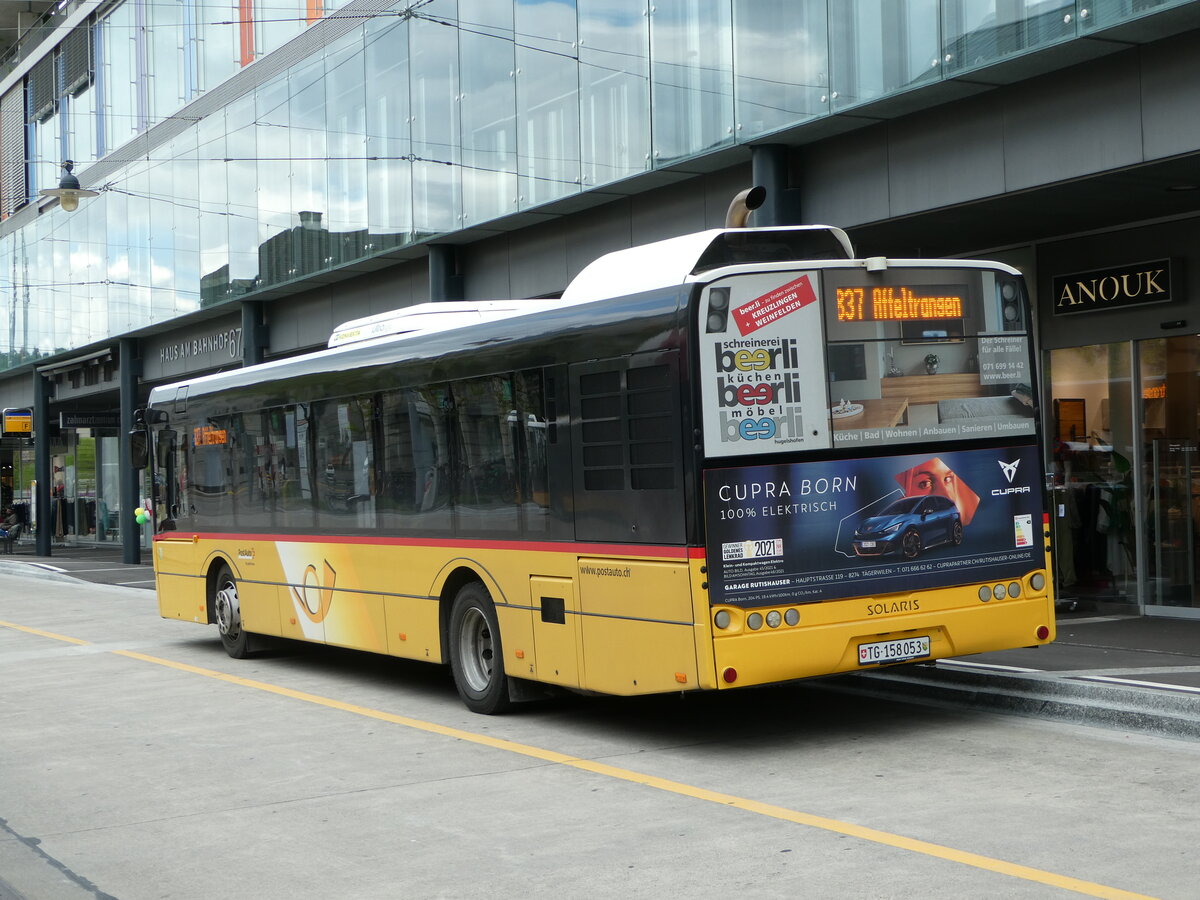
x,y
908,526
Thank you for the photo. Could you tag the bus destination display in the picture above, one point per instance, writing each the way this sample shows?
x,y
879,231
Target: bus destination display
x,y
900,303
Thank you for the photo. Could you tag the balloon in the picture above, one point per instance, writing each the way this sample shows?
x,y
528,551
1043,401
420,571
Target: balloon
x,y
140,511
141,519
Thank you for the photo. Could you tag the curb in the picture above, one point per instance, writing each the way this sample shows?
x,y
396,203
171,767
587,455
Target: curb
x,y
1164,712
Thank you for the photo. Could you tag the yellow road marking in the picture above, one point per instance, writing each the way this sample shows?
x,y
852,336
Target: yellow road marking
x,y
926,848
46,634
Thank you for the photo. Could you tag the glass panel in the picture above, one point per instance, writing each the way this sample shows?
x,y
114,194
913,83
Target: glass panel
x,y
164,52
781,50
345,464
878,47
691,52
389,202
485,475
1170,398
214,220
305,240
1091,433
81,126
273,187
924,354
436,144
1103,13
242,174
614,90
276,23
980,32
414,491
547,100
218,40
119,74
347,142
489,128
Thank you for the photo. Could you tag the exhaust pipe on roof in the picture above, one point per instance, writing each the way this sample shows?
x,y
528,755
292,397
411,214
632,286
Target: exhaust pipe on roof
x,y
743,204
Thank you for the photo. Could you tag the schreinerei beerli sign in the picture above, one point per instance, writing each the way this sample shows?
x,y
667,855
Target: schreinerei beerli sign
x,y
1115,288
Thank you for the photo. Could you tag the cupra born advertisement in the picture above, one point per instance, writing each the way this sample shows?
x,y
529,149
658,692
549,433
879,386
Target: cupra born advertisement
x,y
811,531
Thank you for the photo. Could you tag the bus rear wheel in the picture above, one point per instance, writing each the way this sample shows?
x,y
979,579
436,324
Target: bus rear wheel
x,y
229,615
476,657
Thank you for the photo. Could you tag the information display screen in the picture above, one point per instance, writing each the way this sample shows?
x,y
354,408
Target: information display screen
x,y
900,303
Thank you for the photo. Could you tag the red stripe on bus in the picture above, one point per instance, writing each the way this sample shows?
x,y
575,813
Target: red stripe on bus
x,y
1045,518
539,546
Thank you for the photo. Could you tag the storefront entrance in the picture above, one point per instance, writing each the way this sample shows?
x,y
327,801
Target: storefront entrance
x,y
1125,459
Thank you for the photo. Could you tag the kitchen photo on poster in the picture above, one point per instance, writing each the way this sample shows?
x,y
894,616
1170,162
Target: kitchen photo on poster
x,y
811,531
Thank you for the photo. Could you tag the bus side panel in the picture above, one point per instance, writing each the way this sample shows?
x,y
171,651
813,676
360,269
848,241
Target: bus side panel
x,y
181,589
555,630
412,627
260,607
637,626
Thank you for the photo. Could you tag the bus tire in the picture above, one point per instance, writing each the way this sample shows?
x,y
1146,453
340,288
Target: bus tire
x,y
476,657
228,611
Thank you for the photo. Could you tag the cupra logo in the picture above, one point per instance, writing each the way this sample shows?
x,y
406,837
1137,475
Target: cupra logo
x,y
1009,469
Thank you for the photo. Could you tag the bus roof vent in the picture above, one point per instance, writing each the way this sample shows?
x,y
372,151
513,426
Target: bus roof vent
x,y
427,318
682,259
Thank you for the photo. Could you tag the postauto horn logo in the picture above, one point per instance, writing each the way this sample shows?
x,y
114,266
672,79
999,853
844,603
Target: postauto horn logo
x,y
1010,472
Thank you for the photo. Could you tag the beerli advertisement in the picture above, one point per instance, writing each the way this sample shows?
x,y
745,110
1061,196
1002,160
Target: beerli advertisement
x,y
811,531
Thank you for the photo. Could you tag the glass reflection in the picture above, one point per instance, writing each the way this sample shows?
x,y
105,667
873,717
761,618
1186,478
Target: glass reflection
x,y
878,47
781,56
614,90
692,66
979,32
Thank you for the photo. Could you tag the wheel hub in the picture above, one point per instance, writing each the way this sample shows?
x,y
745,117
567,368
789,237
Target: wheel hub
x,y
229,615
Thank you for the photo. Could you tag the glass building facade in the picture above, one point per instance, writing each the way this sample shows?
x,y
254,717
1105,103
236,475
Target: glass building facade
x,y
244,146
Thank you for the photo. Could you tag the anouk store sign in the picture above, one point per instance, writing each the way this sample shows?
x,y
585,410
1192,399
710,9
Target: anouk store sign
x,y
1133,285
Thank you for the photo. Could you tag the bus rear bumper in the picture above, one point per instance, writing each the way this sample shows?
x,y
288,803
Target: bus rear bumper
x,y
769,655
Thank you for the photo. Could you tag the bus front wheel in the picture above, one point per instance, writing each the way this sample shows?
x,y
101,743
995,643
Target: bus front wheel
x,y
229,615
476,657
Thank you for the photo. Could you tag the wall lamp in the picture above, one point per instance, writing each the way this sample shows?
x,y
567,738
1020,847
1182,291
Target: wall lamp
x,y
68,191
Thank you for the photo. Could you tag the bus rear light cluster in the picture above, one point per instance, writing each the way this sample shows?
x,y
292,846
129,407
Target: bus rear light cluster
x,y
755,620
1037,581
1043,632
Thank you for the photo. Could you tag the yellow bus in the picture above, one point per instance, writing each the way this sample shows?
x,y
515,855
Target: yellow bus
x,y
731,458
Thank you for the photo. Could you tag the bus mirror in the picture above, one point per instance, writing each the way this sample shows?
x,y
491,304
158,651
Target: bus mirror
x,y
138,455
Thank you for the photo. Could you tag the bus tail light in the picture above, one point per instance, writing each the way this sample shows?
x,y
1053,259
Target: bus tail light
x,y
730,675
1043,632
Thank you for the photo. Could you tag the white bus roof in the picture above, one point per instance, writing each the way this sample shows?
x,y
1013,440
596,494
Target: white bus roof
x,y
671,262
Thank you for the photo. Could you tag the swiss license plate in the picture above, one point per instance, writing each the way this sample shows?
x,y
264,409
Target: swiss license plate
x,y
868,545
893,651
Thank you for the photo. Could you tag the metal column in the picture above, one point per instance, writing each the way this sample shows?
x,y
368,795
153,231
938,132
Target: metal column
x,y
254,332
131,479
41,465
445,281
769,168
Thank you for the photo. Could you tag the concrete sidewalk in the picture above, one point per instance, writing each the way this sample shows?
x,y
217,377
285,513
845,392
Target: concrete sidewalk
x,y
1132,673
1128,672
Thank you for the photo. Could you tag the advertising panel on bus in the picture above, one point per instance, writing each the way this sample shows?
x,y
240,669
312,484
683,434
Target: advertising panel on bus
x,y
811,531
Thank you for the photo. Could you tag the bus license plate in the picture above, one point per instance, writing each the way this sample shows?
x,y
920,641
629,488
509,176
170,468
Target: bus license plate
x,y
893,651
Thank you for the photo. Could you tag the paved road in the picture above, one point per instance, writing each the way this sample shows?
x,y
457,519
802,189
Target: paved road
x,y
140,762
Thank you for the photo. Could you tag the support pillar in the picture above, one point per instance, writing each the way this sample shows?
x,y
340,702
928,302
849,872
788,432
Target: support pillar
x,y
255,336
769,168
445,280
130,479
41,462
